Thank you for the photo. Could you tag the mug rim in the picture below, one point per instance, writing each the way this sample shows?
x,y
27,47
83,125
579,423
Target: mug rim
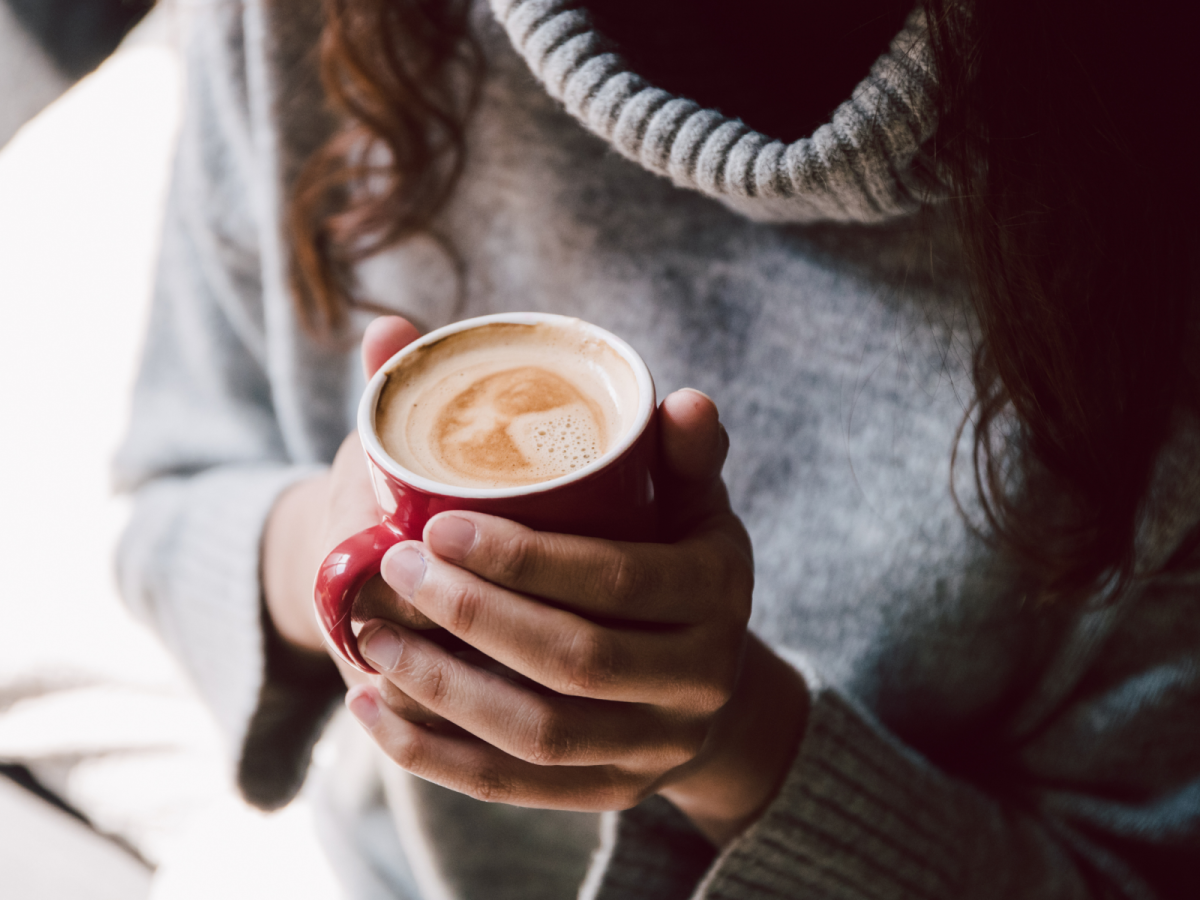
x,y
370,398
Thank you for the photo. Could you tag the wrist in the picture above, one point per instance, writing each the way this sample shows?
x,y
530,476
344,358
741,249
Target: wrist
x,y
752,747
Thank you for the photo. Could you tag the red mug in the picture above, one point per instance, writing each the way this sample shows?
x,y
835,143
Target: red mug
x,y
611,497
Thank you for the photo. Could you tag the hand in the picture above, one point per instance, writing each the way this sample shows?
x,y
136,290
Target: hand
x,y
315,515
634,671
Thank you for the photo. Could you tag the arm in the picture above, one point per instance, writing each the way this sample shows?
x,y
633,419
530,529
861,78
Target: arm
x,y
204,454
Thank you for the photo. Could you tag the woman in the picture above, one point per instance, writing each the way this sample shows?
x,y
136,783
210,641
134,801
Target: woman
x,y
981,692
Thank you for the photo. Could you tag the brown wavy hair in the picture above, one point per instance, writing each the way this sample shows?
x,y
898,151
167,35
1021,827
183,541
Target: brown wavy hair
x,y
1077,236
1063,128
403,76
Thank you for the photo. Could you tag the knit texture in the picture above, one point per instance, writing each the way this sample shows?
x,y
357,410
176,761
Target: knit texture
x,y
863,166
194,536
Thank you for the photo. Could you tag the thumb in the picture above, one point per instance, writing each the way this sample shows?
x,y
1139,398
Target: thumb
x,y
694,441
383,339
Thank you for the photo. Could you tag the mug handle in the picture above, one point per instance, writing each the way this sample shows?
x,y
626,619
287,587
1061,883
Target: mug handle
x,y
353,563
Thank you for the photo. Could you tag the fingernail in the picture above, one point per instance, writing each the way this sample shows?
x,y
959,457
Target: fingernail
x,y
701,393
452,537
382,650
403,568
363,707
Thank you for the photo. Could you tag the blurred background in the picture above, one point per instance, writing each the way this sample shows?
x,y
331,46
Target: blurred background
x,y
112,780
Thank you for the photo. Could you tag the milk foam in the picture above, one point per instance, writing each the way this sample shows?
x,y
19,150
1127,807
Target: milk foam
x,y
506,404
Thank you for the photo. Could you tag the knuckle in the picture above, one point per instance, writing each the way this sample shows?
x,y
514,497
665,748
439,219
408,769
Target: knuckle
x,y
708,701
550,744
688,743
434,684
673,748
589,663
704,581
488,786
739,573
733,580
614,788
464,604
516,559
726,676
714,689
719,570
406,752
739,588
395,698
625,795
625,580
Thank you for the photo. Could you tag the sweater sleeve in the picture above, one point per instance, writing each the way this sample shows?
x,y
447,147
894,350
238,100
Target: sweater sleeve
x,y
1088,789
203,455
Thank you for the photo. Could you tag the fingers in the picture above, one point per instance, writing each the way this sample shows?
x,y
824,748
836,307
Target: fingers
x,y
350,507
397,700
694,442
378,601
470,766
679,666
383,339
403,705
661,583
542,729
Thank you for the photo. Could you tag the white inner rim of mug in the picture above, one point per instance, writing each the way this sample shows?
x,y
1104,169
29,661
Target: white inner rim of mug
x,y
374,448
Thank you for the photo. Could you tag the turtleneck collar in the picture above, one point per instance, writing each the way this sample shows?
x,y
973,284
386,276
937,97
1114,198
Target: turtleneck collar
x,y
864,165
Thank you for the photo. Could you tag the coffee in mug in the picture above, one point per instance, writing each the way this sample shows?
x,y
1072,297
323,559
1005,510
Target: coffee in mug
x,y
507,404
538,418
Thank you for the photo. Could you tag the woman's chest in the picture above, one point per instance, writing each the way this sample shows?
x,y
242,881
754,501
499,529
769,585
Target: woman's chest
x,y
838,356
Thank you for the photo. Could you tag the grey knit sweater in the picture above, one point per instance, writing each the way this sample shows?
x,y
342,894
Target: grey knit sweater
x,y
964,742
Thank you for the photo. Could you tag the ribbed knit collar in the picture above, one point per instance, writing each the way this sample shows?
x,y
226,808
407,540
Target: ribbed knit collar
x,y
864,165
